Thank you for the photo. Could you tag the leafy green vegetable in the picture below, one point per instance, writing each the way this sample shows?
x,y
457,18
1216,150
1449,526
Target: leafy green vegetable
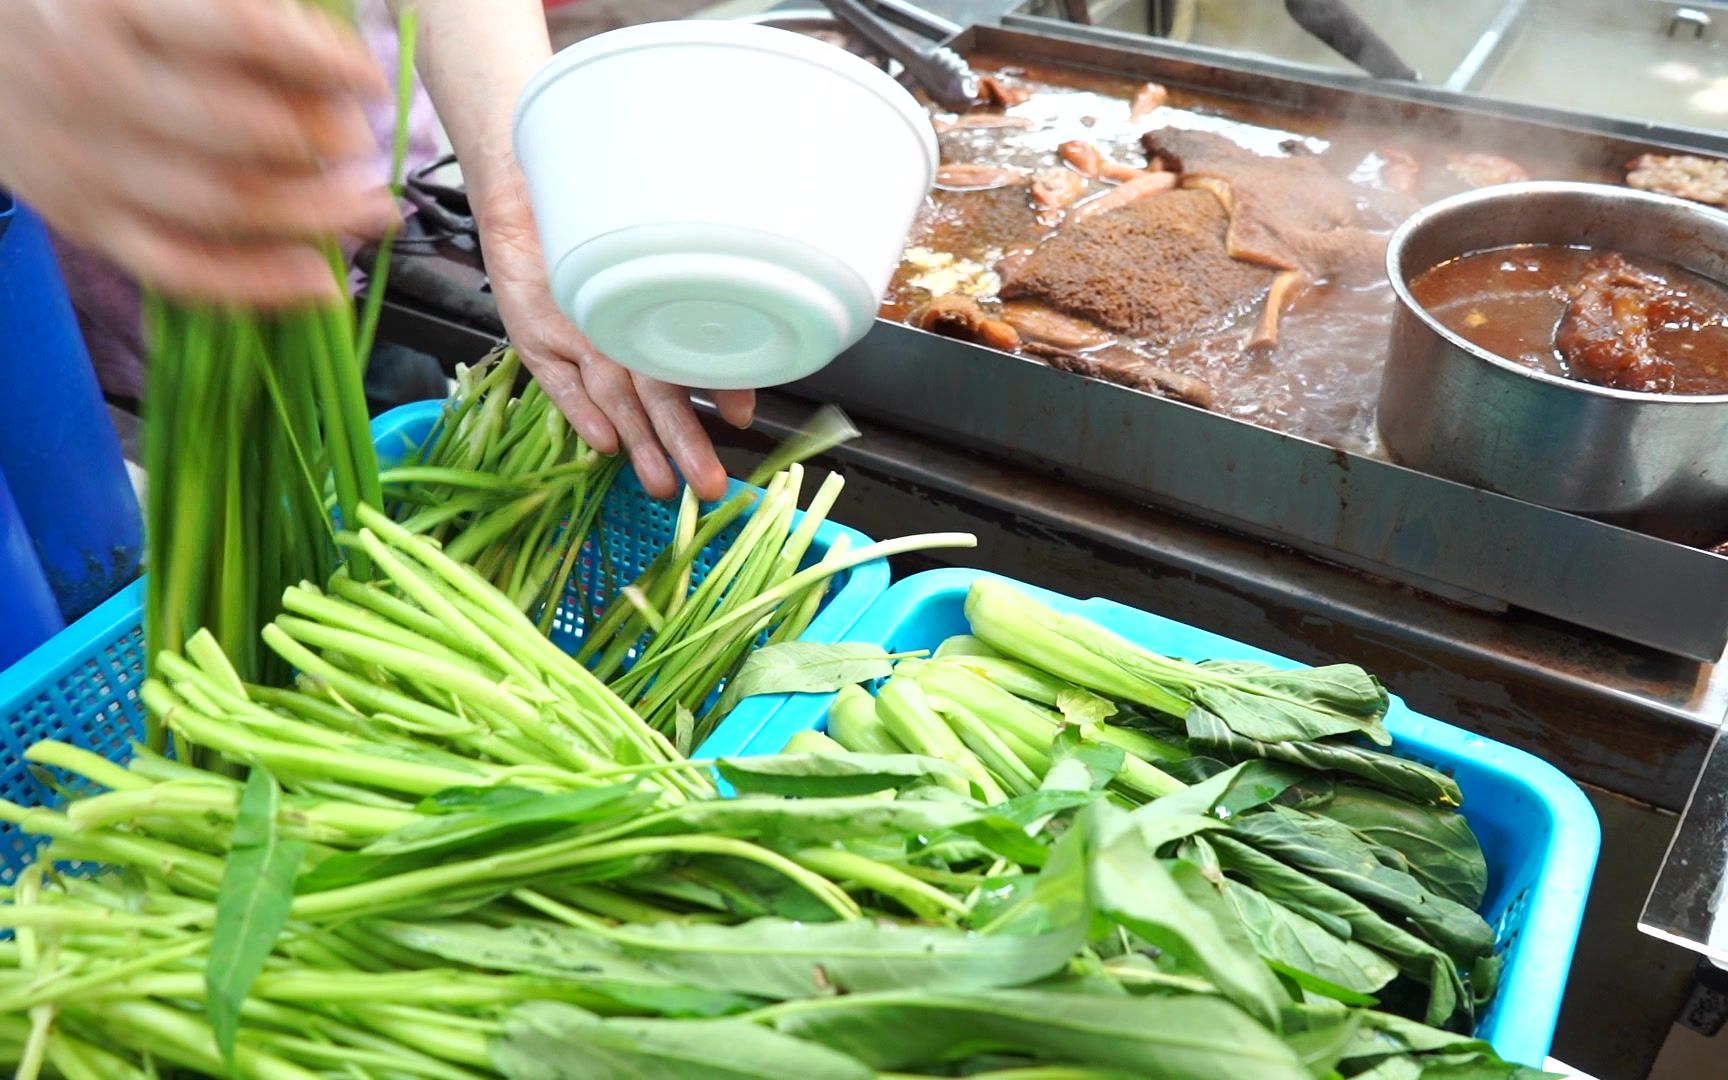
x,y
251,905
834,774
1174,1038
805,667
1297,942
1437,844
1331,853
774,958
1413,957
1079,706
547,1041
1395,774
584,960
1133,888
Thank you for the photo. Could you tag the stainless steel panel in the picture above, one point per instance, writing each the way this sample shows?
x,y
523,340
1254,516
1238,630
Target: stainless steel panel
x,y
1432,533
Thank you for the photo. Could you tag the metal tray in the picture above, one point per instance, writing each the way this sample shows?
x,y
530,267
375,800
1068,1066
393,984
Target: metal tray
x,y
1458,542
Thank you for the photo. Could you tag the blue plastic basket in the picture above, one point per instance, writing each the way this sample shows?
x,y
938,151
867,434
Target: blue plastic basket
x,y
1538,831
82,685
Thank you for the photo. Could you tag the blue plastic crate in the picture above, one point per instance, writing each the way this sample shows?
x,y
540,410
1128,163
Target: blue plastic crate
x,y
1538,831
82,686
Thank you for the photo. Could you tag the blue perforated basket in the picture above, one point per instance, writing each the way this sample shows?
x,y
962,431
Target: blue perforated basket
x,y
82,686
1538,831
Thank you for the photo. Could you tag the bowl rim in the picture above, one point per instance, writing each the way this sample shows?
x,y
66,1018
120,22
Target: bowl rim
x,y
1402,235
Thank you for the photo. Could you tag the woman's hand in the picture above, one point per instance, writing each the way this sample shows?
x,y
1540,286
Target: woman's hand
x,y
197,143
610,407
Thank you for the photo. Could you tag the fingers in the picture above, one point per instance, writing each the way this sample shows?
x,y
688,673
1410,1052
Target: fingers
x,y
268,275
737,407
675,422
217,199
225,114
615,394
284,40
561,379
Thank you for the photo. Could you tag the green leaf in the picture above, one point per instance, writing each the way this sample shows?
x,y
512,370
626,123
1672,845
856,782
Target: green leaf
x,y
1135,890
1396,1068
1332,853
583,960
805,667
1413,956
775,958
1169,1037
1277,719
834,774
514,816
1320,1035
452,831
1232,792
1396,774
1078,764
463,800
684,729
1313,987
798,822
1082,707
1300,944
1283,704
1400,1034
1439,846
252,904
549,1041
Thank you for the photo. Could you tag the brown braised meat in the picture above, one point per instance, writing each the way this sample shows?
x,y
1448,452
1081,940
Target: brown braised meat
x,y
1605,333
965,176
1287,213
1045,326
993,93
1147,100
1702,180
1156,269
1485,170
1055,187
961,317
969,223
1123,366
1127,192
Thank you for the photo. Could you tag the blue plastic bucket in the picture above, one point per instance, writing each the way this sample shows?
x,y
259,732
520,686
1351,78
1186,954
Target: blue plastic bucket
x,y
28,614
58,450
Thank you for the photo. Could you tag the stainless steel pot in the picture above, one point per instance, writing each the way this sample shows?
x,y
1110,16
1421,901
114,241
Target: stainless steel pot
x,y
1656,463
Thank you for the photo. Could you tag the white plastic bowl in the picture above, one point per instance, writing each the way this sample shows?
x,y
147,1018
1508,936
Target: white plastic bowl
x,y
721,204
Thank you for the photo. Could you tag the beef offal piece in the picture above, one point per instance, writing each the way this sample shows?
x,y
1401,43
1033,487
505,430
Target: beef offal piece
x,y
1605,335
1286,213
966,176
1156,269
1147,100
1684,176
976,223
1090,162
961,317
1125,367
993,93
1485,170
1047,327
1129,191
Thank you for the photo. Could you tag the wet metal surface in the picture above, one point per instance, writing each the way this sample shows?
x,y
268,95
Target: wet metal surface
x,y
1448,539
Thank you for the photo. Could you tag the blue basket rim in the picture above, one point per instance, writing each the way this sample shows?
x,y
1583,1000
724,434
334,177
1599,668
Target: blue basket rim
x,y
1534,981
70,647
